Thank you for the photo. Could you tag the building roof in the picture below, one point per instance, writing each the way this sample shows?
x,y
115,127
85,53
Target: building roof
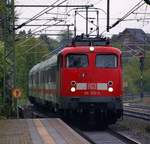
x,y
138,34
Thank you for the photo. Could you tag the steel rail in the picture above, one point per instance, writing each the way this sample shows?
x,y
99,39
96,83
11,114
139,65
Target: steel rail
x,y
123,137
119,136
138,106
139,115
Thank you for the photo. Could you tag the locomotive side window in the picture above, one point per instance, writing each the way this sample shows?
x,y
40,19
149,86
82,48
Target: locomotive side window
x,y
77,60
106,61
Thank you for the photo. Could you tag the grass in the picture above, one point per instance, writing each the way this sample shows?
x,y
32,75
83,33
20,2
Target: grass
x,y
134,127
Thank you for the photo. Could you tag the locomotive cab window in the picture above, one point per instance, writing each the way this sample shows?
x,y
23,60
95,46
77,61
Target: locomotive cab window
x,y
76,61
106,61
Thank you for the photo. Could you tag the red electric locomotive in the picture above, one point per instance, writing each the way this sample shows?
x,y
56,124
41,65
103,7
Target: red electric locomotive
x,y
82,80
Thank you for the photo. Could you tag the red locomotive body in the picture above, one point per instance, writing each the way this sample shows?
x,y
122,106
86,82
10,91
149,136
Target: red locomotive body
x,y
86,80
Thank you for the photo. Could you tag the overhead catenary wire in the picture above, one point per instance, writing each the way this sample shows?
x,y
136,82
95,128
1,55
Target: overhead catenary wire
x,y
85,18
97,2
26,40
137,6
36,16
39,19
46,22
29,50
46,27
39,14
144,14
131,11
34,33
36,29
40,26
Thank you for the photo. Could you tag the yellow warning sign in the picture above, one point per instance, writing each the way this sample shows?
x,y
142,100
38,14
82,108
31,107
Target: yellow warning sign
x,y
16,92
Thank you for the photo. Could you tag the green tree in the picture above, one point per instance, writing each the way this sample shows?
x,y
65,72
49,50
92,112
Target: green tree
x,y
1,66
30,51
146,74
131,74
131,71
2,6
65,36
51,43
1,58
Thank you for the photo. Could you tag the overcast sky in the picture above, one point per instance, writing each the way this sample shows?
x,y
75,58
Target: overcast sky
x,y
118,8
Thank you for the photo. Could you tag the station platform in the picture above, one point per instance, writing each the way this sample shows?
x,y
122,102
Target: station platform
x,y
38,131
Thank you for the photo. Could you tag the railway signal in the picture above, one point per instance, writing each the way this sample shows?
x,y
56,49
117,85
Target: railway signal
x,y
141,61
141,66
16,92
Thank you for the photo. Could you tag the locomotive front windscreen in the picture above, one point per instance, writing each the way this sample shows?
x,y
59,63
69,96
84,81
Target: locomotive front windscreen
x,y
77,60
106,61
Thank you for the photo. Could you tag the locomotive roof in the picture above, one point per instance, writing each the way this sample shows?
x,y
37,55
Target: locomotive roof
x,y
85,49
82,43
44,64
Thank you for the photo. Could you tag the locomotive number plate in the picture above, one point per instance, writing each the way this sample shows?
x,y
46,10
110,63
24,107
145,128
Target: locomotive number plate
x,y
92,86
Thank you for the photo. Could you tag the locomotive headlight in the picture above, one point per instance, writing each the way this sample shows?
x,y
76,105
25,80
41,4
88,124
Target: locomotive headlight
x,y
110,89
91,48
73,89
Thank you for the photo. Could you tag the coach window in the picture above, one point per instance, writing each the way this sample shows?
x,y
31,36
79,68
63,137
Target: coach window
x,y
34,79
106,61
53,73
37,78
31,79
44,77
76,60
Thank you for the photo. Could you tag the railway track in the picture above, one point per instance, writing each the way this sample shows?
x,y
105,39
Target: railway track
x,y
137,111
107,137
135,106
139,115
